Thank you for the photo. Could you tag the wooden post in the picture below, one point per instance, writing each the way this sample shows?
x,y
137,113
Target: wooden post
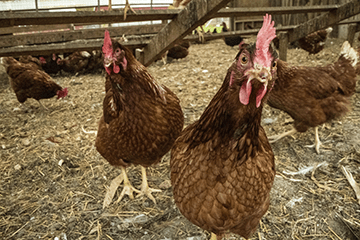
x,y
351,33
98,6
36,5
283,45
232,19
196,13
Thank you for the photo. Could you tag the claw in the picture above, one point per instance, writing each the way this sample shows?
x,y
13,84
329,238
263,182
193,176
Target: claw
x,y
145,189
275,138
127,8
128,188
317,142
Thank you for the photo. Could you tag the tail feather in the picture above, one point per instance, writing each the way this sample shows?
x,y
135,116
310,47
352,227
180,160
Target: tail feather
x,y
349,53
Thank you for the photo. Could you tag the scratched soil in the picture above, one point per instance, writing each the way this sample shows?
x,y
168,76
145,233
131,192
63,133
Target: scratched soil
x,y
53,181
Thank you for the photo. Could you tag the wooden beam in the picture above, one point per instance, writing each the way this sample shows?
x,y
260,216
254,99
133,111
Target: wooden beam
x,y
135,42
348,22
283,45
351,33
80,45
325,20
64,36
9,19
196,13
237,12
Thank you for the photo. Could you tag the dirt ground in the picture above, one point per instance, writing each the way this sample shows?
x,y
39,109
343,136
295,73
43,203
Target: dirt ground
x,y
53,181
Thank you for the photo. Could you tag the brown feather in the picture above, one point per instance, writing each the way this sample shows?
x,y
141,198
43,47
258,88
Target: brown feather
x,y
141,118
313,95
29,82
222,166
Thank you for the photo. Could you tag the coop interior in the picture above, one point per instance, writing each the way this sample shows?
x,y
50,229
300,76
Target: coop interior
x,y
53,181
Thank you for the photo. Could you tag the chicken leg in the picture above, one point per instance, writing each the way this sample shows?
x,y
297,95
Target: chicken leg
x,y
213,237
275,138
317,142
127,8
219,237
42,105
128,188
145,189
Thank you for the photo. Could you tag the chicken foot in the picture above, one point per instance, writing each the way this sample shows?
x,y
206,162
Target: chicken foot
x,y
275,138
42,105
128,188
219,237
145,189
317,142
127,8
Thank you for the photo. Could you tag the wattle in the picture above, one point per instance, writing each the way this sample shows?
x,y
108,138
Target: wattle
x,y
245,92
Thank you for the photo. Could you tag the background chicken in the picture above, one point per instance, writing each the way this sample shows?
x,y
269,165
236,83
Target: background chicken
x,y
96,62
314,95
50,63
29,82
180,50
141,119
222,166
31,60
314,42
231,40
75,63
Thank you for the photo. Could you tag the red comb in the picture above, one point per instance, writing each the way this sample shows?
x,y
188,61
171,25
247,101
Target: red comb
x,y
266,34
107,47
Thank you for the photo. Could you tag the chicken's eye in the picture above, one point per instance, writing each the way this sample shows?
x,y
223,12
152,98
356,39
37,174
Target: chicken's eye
x,y
274,64
244,60
117,50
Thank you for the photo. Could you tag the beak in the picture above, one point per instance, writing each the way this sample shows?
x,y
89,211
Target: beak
x,y
108,62
261,74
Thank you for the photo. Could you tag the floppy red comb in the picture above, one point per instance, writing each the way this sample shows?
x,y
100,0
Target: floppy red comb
x,y
107,47
266,34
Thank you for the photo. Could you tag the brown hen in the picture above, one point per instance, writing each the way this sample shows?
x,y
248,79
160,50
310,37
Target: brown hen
x,y
28,81
31,60
222,166
141,118
314,42
314,95
77,62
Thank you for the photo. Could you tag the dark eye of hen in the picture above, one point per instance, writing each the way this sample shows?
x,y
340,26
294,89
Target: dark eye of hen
x,y
274,64
117,50
244,60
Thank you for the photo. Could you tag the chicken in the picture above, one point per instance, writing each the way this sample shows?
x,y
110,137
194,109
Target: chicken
x,y
231,40
222,166
314,42
141,118
95,61
50,64
29,82
179,50
75,63
314,95
35,62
